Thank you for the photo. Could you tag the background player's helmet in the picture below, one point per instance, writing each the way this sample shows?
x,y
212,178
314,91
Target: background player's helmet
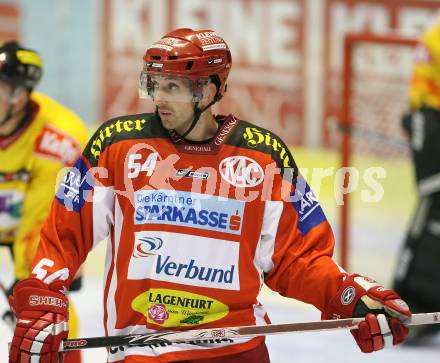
x,y
19,66
199,55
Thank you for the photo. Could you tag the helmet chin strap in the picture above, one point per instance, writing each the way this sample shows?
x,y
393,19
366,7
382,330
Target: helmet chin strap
x,y
197,113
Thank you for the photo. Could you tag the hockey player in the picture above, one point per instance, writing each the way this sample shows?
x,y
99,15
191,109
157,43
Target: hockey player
x,y
38,137
199,211
418,276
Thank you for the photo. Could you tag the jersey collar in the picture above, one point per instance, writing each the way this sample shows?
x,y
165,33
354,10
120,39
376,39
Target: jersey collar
x,y
6,141
210,146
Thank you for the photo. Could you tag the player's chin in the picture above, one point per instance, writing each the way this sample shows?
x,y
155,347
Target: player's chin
x,y
167,122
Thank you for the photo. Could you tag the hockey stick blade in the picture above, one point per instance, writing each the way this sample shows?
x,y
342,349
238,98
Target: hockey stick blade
x,y
216,335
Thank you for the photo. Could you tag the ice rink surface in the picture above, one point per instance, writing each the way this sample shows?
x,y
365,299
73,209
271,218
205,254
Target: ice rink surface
x,y
316,347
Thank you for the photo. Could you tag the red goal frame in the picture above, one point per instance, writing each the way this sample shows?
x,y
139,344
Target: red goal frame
x,y
350,41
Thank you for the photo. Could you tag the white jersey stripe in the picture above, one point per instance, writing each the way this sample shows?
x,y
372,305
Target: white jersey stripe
x,y
266,245
110,303
37,344
103,204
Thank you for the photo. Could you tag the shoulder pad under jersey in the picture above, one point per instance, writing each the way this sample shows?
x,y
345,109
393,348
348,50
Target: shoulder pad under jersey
x,y
118,129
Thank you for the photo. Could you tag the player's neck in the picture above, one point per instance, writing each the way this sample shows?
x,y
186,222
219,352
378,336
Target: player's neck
x,y
11,124
205,129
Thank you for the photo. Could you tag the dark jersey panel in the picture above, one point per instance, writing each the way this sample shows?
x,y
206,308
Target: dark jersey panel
x,y
249,136
423,129
418,275
140,126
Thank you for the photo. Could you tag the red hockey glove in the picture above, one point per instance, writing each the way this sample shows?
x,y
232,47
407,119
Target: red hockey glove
x,y
384,311
42,314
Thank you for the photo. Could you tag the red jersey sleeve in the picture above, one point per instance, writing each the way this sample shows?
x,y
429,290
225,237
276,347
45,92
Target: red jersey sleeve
x,y
297,243
81,216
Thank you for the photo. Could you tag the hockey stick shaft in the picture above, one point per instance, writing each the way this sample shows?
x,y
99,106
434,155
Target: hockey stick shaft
x,y
228,334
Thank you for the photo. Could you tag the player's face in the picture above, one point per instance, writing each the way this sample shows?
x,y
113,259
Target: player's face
x,y
173,97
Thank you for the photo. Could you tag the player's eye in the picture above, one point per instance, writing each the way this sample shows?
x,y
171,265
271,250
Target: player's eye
x,y
172,86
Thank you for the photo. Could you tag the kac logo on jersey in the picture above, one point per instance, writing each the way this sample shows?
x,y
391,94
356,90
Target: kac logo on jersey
x,y
187,209
241,171
184,259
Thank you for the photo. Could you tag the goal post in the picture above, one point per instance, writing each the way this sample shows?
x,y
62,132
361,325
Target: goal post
x,y
376,75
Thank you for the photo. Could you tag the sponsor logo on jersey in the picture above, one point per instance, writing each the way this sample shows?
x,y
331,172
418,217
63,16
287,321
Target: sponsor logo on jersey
x,y
310,213
225,131
118,127
255,137
171,308
11,203
158,313
73,190
188,209
5,203
187,173
54,144
184,259
207,149
241,171
145,245
20,175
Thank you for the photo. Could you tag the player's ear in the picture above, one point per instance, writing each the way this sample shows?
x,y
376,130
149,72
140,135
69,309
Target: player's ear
x,y
20,97
209,92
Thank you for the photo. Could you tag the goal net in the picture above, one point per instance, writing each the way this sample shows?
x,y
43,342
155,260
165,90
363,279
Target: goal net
x,y
374,218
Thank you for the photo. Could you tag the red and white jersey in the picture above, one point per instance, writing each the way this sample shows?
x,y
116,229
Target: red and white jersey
x,y
194,230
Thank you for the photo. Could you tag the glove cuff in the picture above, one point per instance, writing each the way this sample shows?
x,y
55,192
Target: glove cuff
x,y
33,295
342,305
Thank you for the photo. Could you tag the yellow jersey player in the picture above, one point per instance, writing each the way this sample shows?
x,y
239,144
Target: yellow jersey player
x,y
38,137
417,275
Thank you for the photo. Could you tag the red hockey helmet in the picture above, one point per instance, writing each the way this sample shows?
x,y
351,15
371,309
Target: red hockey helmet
x,y
198,55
